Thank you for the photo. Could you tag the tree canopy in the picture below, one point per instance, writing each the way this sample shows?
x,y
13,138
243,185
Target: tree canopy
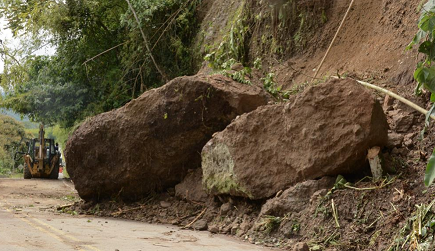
x,y
101,60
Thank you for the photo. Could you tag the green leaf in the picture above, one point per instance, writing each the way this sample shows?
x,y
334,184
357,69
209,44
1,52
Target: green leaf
x,y
427,119
426,76
430,170
417,38
429,79
428,48
427,24
428,7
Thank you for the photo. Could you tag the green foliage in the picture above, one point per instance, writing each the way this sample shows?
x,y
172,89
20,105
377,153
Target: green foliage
x,y
418,232
233,45
240,75
425,72
271,223
272,87
11,139
68,87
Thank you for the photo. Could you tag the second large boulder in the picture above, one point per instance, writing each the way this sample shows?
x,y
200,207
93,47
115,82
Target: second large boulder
x,y
327,130
150,143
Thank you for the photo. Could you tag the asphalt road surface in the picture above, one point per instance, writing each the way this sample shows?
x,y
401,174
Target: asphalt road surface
x,y
29,221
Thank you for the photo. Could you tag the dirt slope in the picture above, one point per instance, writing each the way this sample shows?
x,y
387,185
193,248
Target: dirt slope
x,y
371,43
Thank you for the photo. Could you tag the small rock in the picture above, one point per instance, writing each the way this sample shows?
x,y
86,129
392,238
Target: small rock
x,y
191,187
408,143
225,229
394,140
388,103
213,229
234,229
237,67
225,208
165,204
402,122
301,246
409,136
296,198
200,225
245,226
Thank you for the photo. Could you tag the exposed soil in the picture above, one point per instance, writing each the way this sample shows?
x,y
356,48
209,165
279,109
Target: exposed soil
x,y
370,44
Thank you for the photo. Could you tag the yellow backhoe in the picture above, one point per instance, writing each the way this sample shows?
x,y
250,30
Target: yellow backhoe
x,y
42,157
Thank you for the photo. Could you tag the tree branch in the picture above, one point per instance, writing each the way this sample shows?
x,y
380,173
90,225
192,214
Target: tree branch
x,y
146,42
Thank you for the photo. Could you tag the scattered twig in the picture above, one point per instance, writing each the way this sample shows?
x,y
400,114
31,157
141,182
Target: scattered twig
x,y
196,218
94,57
377,219
127,210
335,213
65,206
382,185
167,27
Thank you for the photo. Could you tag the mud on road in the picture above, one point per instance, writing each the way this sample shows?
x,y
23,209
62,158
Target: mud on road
x,y
29,221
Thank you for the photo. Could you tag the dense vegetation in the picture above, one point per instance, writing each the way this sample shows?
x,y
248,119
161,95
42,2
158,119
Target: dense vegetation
x,y
101,60
12,134
425,71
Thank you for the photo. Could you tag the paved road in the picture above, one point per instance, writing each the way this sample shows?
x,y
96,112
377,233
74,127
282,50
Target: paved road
x,y
28,221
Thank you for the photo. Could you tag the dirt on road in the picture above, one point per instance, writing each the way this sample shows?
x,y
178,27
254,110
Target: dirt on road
x,y
29,220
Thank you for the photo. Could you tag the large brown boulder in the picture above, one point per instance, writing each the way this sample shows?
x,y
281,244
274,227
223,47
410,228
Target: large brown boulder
x,y
150,143
326,131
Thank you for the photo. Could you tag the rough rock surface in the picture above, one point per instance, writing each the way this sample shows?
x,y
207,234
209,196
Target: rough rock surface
x,y
150,143
191,188
402,122
394,140
326,131
296,198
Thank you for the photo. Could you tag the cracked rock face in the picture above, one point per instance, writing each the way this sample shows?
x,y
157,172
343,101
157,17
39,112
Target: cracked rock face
x,y
326,131
151,143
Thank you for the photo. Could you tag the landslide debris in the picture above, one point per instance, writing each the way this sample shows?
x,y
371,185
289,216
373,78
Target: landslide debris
x,y
326,131
149,144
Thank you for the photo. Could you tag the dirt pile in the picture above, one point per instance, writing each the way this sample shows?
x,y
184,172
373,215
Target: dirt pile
x,y
327,130
150,143
296,198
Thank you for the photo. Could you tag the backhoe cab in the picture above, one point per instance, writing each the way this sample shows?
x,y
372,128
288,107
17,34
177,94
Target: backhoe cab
x,y
42,158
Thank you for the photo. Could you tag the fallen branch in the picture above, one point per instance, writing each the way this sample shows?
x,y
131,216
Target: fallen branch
x,y
65,206
196,218
94,57
127,210
394,95
146,42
